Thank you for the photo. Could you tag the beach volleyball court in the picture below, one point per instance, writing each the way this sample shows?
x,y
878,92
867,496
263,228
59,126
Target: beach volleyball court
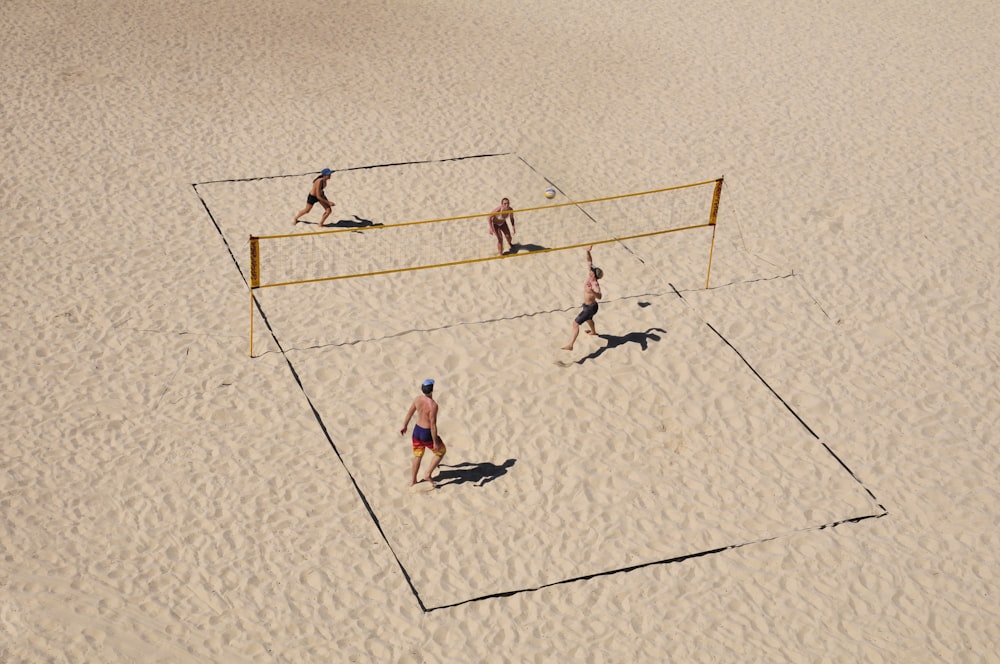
x,y
651,443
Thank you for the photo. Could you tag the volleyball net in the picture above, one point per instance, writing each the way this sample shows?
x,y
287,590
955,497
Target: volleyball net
x,y
362,248
366,249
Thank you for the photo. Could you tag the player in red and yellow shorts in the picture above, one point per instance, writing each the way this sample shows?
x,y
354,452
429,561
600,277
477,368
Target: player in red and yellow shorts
x,y
422,441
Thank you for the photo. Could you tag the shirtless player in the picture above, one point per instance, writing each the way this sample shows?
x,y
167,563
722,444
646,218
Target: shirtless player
x,y
591,294
425,433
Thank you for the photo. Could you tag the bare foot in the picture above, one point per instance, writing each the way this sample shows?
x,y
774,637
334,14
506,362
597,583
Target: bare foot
x,y
590,331
568,347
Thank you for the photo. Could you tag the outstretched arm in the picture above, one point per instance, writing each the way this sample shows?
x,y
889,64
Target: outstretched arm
x,y
592,282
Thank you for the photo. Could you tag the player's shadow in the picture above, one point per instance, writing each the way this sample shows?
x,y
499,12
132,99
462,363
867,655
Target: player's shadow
x,y
356,222
527,248
641,338
471,473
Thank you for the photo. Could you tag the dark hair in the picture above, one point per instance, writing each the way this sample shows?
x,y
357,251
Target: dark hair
x,y
427,389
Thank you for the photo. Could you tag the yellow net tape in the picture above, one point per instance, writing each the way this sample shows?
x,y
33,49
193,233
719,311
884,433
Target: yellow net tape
x,y
486,214
302,258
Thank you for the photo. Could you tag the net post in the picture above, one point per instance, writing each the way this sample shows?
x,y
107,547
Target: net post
x,y
713,215
254,279
254,262
712,220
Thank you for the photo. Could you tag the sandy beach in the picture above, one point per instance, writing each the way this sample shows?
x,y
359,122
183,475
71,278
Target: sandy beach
x,y
794,464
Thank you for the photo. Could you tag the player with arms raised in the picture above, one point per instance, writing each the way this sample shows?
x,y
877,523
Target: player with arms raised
x,y
591,294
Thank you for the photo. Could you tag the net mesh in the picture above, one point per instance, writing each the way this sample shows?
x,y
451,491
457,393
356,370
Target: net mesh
x,y
363,248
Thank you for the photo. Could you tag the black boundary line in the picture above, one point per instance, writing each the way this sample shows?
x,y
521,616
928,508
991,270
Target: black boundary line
x,y
678,559
225,241
487,321
761,378
329,439
357,488
585,213
367,504
468,323
536,171
667,561
361,168
294,175
801,421
298,380
851,473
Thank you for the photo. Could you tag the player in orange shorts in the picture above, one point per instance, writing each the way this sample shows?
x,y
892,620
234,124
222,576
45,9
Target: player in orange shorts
x,y
425,435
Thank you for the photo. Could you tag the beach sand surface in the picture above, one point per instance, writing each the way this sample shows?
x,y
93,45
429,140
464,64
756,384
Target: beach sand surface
x,y
796,463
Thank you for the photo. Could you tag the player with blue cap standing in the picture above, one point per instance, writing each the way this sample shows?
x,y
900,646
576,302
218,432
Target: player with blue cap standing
x,y
425,432
317,194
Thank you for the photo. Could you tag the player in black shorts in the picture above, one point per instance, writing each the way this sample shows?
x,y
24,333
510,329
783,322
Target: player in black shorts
x,y
318,195
591,294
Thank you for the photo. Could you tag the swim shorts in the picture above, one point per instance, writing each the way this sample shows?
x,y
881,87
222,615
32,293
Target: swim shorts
x,y
422,441
587,313
311,200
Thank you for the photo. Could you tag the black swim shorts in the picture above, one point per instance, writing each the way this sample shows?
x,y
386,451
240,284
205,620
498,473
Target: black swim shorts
x,y
587,313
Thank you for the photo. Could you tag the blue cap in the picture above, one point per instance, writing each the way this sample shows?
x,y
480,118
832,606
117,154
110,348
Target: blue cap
x,y
429,382
326,171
